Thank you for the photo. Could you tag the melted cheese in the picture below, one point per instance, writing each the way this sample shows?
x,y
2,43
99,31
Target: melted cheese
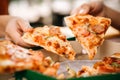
x,y
6,63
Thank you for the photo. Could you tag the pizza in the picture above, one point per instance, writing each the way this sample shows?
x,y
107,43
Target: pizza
x,y
108,64
51,39
15,58
87,71
88,30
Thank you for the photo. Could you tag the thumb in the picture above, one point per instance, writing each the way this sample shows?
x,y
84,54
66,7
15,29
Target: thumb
x,y
84,9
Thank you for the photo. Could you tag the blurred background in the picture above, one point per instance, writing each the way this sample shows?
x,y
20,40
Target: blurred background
x,y
40,12
49,12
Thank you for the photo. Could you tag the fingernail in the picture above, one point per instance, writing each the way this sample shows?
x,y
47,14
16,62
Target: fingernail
x,y
82,11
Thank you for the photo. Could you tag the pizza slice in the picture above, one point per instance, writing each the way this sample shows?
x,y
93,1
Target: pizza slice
x,y
88,30
51,39
108,64
15,58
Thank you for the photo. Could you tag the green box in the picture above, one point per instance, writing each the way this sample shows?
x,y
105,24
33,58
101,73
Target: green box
x,y
32,75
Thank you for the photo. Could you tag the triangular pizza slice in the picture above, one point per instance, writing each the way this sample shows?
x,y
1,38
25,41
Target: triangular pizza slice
x,y
51,39
88,30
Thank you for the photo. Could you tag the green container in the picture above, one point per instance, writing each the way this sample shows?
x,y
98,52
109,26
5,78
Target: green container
x,y
32,75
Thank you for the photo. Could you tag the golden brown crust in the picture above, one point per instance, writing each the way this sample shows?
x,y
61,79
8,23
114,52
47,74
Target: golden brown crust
x,y
88,30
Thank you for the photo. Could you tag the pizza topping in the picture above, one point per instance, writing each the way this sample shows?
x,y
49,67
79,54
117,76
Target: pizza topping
x,y
109,60
62,37
54,31
115,64
62,50
49,43
87,71
105,22
56,45
31,31
98,29
39,39
85,33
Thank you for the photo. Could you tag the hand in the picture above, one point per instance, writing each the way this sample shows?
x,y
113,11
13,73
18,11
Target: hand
x,y
15,29
95,8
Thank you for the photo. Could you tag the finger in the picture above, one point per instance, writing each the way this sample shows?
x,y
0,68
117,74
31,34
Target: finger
x,y
20,42
16,38
83,9
24,25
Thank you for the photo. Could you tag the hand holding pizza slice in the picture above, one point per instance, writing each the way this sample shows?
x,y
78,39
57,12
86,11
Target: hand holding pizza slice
x,y
88,30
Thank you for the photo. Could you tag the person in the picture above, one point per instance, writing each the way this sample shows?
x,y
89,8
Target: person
x,y
12,28
98,8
